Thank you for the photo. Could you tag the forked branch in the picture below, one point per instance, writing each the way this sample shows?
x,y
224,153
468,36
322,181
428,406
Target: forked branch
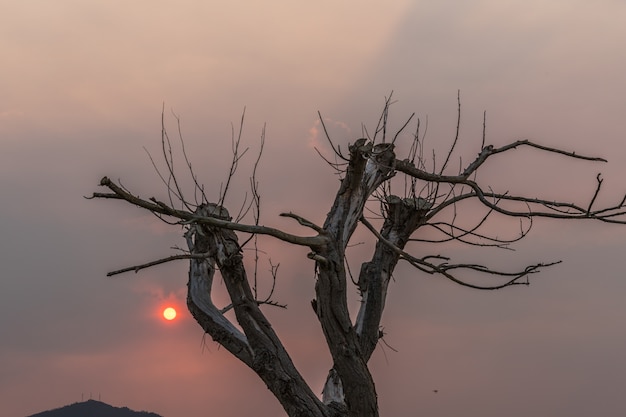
x,y
555,209
186,217
443,268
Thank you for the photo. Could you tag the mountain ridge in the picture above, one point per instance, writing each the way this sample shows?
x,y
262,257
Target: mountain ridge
x,y
93,408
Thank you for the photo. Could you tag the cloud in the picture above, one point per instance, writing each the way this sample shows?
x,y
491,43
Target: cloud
x,y
83,88
338,132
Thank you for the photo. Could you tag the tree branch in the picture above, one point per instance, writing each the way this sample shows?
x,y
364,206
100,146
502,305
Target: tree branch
x,y
443,268
188,217
409,168
304,222
137,268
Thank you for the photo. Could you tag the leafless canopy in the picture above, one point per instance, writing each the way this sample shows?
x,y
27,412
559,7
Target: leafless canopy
x,y
429,211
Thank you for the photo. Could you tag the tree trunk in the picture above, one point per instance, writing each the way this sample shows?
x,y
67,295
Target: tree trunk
x,y
349,381
258,345
403,217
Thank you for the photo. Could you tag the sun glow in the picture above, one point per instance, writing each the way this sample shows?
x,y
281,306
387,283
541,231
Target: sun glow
x,y
169,313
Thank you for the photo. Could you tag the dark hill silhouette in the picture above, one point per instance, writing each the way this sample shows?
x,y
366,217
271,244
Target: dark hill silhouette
x,y
93,408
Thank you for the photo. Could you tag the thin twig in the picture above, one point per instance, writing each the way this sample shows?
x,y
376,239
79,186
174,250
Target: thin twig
x,y
137,268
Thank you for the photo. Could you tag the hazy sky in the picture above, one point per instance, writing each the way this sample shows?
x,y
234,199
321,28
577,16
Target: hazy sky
x,y
82,85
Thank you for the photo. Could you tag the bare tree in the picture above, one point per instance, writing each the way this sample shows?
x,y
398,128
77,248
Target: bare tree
x,y
430,210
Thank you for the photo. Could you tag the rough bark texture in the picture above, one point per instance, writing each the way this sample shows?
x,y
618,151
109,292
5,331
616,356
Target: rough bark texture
x,y
349,390
404,216
350,380
258,346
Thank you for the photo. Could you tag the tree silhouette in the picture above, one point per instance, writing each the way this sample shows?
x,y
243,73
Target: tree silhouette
x,y
429,209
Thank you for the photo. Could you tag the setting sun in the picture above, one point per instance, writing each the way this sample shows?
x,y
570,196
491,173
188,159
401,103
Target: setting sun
x,y
169,313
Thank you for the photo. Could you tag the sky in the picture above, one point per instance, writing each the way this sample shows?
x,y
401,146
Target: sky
x,y
82,89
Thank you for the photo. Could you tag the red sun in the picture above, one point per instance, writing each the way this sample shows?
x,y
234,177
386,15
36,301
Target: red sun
x,y
169,313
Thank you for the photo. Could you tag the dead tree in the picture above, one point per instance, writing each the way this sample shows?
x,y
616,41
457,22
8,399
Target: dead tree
x,y
432,199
